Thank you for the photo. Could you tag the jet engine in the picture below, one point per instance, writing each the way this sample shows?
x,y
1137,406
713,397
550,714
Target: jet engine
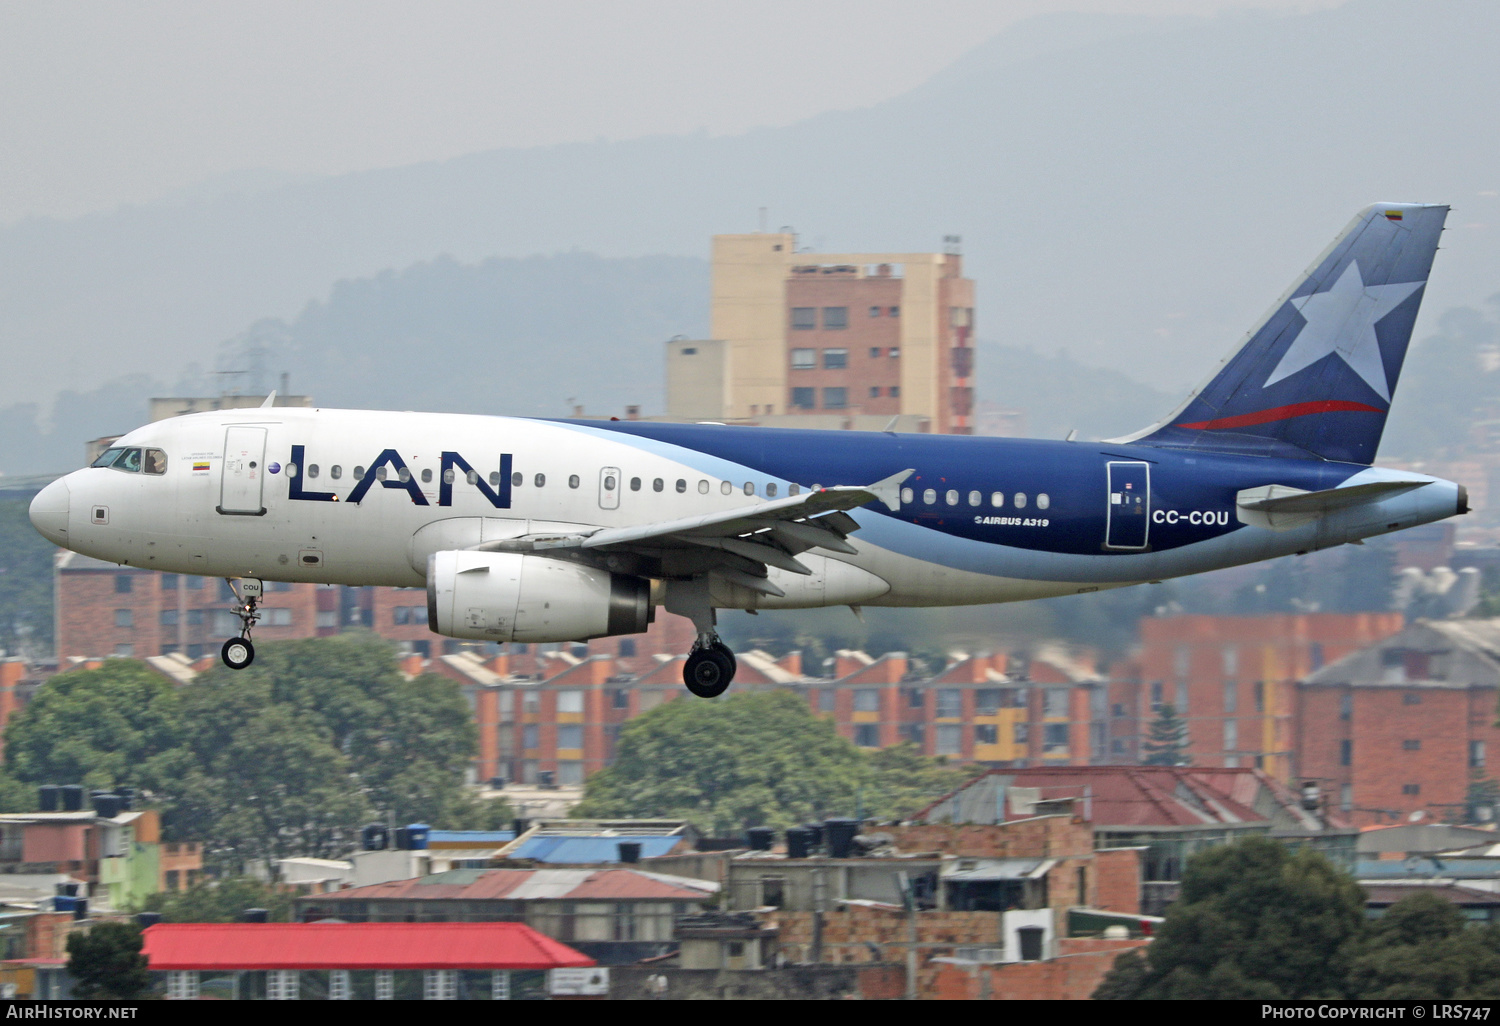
x,y
508,596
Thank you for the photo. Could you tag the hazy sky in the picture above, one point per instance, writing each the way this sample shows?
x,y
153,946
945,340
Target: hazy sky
x,y
104,103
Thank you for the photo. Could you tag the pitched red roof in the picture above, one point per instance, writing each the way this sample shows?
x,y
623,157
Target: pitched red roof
x,y
226,946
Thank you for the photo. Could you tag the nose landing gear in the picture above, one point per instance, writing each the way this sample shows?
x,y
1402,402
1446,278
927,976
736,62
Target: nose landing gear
x,y
239,653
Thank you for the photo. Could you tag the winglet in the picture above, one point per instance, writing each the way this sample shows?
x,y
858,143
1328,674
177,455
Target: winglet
x,y
888,490
270,400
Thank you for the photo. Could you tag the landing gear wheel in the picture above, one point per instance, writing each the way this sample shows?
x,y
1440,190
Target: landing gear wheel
x,y
723,649
708,671
238,653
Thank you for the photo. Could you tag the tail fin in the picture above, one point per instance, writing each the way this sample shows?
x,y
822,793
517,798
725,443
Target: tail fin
x,y
1315,377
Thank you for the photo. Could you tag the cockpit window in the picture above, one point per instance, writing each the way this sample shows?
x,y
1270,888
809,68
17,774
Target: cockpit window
x,y
128,460
156,461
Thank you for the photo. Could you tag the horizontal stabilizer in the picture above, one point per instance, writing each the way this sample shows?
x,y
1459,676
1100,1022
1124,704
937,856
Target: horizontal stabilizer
x,y
1282,507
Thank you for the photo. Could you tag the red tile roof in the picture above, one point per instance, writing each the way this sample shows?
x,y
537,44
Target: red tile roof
x,y
242,946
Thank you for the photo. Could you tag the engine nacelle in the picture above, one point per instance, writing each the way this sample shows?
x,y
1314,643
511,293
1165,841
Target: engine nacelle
x,y
507,596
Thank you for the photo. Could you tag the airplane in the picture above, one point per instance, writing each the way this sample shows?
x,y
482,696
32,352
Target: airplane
x,y
535,530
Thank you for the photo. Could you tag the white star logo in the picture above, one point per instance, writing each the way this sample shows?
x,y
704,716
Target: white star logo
x,y
1342,320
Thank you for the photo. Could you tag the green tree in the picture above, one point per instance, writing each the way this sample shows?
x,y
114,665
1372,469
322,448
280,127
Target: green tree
x,y
107,962
1253,921
1166,745
221,901
119,724
741,761
902,781
1422,949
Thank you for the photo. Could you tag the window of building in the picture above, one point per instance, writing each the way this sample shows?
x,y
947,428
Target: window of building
x,y
1346,706
986,701
1411,789
1346,752
986,734
874,312
1476,755
1231,735
1260,696
950,739
169,618
619,698
916,698
950,703
835,359
835,398
124,618
804,398
169,581
1055,703
283,617
835,317
804,359
570,736
772,891
875,352
125,650
195,617
570,701
1156,696
1346,798
1231,696
1412,744
826,698
867,735
1411,698
895,392
1055,738
1182,697
895,312
1021,733
916,733
804,318
531,736
866,700
123,584
874,391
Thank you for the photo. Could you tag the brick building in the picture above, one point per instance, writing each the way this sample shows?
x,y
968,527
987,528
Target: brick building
x,y
833,340
1234,679
1402,726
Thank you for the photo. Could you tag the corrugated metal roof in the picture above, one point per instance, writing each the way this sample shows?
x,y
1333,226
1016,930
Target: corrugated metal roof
x,y
224,946
471,838
589,849
532,884
994,869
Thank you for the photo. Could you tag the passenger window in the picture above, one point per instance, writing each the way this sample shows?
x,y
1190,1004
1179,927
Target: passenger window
x,y
952,496
359,473
473,477
681,486
1043,500
702,487
427,476
1020,500
335,471
540,480
975,498
572,480
794,489
312,470
749,487
726,487
770,491
907,495
929,496
635,484
515,479
403,475
658,484
997,499
291,470
381,473
156,461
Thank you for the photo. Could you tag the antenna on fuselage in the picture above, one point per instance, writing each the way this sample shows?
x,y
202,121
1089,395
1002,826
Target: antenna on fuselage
x,y
270,400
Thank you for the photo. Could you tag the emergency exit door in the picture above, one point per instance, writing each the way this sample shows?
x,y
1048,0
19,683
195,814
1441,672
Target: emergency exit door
x,y
609,488
242,488
1128,517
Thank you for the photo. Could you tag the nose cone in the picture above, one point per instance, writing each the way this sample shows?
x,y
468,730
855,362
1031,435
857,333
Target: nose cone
x,y
49,512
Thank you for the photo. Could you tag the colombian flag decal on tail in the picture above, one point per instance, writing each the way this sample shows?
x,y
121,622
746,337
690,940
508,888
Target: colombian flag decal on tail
x,y
1393,215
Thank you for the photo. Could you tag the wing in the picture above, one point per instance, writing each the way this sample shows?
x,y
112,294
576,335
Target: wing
x,y
737,544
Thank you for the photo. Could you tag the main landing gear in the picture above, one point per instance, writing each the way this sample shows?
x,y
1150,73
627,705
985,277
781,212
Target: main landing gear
x,y
710,667
239,653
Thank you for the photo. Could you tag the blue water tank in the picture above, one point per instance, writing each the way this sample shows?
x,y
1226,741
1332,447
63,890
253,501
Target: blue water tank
x,y
64,903
416,836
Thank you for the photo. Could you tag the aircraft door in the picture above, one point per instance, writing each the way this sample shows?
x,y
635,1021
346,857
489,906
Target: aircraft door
x,y
1128,515
244,474
609,488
